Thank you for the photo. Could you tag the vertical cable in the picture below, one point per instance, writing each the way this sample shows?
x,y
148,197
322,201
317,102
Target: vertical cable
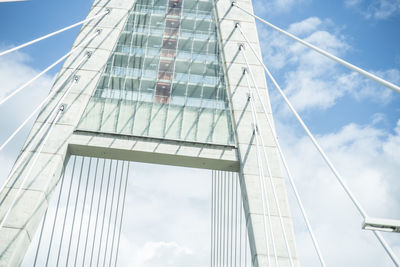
x,y
104,214
111,210
241,224
97,214
236,215
218,193
232,217
122,215
246,239
40,237
65,218
224,221
227,217
212,218
83,210
55,216
90,212
221,216
116,212
76,204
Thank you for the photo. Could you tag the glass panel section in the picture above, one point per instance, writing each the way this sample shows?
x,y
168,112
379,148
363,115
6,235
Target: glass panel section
x,y
164,78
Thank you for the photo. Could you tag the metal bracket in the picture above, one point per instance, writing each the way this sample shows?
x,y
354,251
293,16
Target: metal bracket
x,y
378,224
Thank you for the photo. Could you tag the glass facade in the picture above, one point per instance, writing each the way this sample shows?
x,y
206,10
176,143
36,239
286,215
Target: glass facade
x,y
164,78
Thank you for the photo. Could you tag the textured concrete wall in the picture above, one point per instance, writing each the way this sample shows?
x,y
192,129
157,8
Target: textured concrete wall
x,y
231,39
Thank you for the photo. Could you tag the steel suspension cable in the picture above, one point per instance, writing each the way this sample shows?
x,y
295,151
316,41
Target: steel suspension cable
x,y
212,218
261,175
323,154
109,216
75,209
220,180
40,238
325,53
90,211
40,130
292,183
104,214
212,215
232,217
49,68
236,216
83,211
240,224
35,159
223,219
53,33
116,212
241,49
55,216
97,214
65,218
246,237
227,216
122,215
49,96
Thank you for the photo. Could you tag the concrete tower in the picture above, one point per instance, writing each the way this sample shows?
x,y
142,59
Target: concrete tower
x,y
164,84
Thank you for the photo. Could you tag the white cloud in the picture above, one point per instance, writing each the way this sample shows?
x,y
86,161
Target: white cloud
x,y
160,254
351,3
276,6
365,155
376,9
312,81
306,26
362,88
15,70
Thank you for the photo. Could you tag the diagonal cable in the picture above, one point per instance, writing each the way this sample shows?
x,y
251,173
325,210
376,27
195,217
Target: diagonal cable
x,y
49,68
57,116
323,154
43,103
53,33
261,176
294,187
241,48
325,53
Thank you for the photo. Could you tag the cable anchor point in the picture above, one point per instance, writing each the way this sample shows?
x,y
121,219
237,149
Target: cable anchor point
x,y
248,97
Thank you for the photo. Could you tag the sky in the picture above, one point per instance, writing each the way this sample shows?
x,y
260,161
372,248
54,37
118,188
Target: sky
x,y
356,121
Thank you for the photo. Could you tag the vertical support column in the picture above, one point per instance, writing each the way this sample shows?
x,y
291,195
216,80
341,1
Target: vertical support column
x,y
234,65
32,196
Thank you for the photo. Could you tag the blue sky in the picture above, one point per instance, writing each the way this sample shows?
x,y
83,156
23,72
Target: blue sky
x,y
357,122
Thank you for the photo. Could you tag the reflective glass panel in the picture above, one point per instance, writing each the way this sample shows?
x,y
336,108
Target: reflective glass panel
x,y
164,78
